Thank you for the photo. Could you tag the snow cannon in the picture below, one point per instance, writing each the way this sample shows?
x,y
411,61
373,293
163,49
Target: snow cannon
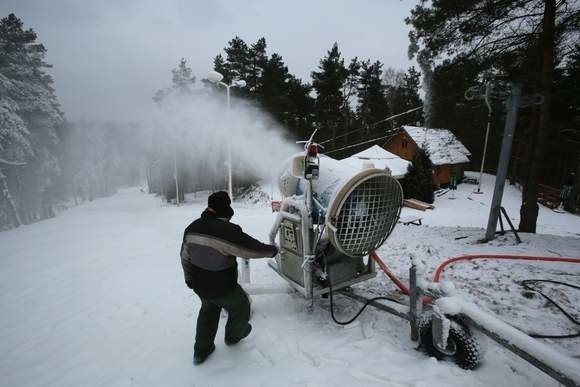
x,y
333,217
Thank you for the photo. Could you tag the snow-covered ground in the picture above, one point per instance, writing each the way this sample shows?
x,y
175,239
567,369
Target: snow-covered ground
x,y
95,297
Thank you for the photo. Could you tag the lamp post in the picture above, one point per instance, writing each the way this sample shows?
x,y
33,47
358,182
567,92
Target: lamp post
x,y
215,77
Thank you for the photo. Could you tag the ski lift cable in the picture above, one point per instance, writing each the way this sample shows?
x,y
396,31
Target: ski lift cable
x,y
392,117
360,143
375,123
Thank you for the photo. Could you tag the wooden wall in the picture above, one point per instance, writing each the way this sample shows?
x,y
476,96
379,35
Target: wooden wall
x,y
404,147
442,173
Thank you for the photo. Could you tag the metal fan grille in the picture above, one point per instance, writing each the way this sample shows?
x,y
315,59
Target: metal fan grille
x,y
368,215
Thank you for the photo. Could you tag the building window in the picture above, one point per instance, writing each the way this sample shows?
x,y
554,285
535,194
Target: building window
x,y
404,144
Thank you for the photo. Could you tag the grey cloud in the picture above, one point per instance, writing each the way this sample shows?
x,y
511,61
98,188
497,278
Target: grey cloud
x,y
110,57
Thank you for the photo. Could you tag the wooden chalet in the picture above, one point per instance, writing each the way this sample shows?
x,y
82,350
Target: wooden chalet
x,y
445,150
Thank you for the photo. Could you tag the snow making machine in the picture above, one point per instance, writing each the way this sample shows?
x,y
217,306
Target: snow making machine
x,y
335,215
333,219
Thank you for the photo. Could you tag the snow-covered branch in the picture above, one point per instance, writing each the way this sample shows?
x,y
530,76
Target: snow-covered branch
x,y
12,163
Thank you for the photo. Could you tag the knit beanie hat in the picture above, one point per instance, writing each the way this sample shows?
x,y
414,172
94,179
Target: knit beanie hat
x,y
220,203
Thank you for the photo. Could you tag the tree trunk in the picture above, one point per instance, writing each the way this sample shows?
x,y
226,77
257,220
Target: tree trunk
x,y
529,208
16,222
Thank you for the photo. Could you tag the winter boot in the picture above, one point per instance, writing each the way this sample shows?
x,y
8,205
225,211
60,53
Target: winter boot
x,y
229,341
200,358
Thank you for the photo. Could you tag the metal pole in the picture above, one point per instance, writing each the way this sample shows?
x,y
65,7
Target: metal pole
x,y
413,301
488,89
504,158
307,243
484,152
230,191
175,173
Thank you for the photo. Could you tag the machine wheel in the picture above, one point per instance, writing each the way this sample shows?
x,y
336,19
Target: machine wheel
x,y
462,346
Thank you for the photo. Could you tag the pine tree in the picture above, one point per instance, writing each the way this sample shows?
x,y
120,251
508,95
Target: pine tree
x,y
258,60
418,183
328,83
238,57
182,78
402,94
268,81
350,93
26,92
273,90
181,86
15,149
300,108
285,97
372,105
221,66
239,64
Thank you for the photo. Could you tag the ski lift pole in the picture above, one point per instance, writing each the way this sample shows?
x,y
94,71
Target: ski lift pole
x,y
512,105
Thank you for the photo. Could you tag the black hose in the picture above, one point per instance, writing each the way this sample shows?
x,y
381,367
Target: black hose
x,y
525,284
361,309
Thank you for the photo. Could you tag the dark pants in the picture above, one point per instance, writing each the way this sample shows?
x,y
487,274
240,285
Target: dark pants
x,y
237,305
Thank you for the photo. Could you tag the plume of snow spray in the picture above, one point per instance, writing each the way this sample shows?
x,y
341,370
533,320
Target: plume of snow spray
x,y
426,66
201,126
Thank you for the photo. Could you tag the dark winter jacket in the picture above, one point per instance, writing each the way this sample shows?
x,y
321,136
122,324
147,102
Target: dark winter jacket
x,y
208,254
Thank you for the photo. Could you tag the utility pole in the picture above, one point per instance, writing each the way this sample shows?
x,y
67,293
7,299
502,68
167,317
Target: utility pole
x,y
216,78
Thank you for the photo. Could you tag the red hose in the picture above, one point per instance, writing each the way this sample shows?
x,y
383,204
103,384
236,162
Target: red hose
x,y
443,265
450,261
389,273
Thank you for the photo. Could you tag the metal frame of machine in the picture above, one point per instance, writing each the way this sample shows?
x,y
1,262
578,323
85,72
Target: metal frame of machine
x,y
336,226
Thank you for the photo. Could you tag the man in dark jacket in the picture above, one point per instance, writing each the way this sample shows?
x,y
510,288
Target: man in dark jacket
x,y
208,256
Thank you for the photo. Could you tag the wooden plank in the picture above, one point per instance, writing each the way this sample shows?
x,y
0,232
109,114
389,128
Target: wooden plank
x,y
417,204
411,220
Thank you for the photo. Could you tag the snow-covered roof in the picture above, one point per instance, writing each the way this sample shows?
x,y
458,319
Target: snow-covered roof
x,y
381,158
442,145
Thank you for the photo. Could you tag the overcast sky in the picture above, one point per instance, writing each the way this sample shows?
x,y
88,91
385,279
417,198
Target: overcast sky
x,y
110,56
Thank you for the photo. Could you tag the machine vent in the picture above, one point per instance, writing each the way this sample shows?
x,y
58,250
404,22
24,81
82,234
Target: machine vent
x,y
368,215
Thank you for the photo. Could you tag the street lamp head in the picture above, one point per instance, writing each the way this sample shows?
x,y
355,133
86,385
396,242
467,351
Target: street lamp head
x,y
214,77
240,83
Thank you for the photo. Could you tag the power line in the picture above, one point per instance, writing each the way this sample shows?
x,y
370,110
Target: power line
x,y
12,163
374,124
362,143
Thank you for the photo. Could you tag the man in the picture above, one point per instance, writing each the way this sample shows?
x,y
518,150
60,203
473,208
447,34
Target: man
x,y
208,256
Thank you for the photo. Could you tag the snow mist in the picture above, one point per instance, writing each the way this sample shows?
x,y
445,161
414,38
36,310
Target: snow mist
x,y
198,129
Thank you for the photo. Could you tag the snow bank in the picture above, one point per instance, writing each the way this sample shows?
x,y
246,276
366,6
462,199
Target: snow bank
x,y
96,297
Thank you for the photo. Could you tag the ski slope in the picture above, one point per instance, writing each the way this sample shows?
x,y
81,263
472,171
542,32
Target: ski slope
x,y
95,297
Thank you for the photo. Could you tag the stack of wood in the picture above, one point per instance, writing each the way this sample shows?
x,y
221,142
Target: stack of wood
x,y
548,196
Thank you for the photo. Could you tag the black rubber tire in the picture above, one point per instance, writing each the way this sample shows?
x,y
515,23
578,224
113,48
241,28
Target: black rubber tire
x,y
467,347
